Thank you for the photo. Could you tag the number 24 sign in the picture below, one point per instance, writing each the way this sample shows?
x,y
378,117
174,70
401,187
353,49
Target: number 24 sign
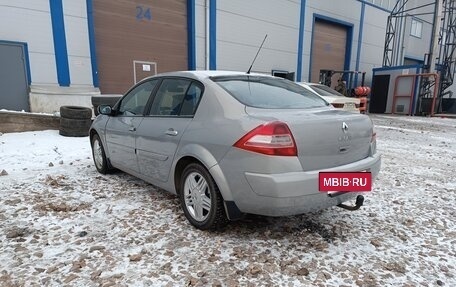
x,y
143,13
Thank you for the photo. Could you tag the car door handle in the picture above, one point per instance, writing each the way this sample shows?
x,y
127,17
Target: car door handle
x,y
171,132
132,129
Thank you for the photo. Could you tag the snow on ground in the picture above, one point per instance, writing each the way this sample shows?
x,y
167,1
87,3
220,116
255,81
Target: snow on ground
x,y
62,223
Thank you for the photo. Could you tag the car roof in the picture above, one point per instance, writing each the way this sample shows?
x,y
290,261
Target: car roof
x,y
204,74
310,84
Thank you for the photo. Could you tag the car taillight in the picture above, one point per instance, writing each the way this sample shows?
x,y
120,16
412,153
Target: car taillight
x,y
274,138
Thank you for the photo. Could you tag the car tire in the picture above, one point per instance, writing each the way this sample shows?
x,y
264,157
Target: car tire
x,y
74,127
99,156
75,112
200,199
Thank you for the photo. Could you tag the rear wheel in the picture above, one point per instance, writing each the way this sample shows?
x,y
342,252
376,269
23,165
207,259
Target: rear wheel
x,y
99,156
201,199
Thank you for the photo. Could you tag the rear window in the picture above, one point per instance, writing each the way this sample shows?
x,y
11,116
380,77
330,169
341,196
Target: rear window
x,y
269,93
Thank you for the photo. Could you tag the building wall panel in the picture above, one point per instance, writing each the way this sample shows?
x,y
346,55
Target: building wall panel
x,y
241,27
30,22
77,37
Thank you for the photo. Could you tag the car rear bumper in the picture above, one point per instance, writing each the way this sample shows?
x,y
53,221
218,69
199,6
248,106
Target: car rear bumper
x,y
296,192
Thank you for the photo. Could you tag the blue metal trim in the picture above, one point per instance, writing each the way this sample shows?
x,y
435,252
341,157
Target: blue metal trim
x,y
395,68
414,59
412,111
26,55
60,46
375,6
93,51
191,35
27,63
311,50
302,16
348,46
213,35
360,39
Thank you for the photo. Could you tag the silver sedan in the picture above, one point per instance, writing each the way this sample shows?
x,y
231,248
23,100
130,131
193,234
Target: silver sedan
x,y
231,143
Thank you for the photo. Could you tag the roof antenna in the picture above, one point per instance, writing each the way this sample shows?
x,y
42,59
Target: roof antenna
x,y
265,36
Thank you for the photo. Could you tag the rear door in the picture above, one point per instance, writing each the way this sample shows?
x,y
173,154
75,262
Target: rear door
x,y
121,128
159,134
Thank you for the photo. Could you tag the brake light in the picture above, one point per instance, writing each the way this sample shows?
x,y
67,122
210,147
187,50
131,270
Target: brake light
x,y
274,138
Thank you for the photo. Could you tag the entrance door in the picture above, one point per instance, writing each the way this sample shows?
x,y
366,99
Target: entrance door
x,y
379,95
13,78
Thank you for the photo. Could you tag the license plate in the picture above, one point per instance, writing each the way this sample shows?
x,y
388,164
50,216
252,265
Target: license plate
x,y
344,181
350,106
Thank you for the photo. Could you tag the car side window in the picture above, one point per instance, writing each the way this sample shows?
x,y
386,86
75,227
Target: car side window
x,y
135,101
169,97
191,99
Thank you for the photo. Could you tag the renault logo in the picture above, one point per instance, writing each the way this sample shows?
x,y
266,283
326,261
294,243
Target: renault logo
x,y
344,127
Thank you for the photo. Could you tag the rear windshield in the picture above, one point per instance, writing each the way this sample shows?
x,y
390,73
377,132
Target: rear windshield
x,y
326,91
268,92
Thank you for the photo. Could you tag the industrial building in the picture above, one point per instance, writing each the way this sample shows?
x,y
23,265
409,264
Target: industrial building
x,y
56,52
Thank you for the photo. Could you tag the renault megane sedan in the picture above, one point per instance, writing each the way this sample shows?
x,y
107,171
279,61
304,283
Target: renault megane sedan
x,y
231,143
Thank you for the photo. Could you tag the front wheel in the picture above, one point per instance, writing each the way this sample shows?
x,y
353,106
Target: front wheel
x,y
99,155
201,199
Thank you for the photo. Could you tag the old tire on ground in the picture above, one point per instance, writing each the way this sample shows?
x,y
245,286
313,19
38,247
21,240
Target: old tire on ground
x,y
201,199
74,112
99,155
74,127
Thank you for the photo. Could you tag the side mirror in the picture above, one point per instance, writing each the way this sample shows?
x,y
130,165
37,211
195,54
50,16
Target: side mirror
x,y
105,110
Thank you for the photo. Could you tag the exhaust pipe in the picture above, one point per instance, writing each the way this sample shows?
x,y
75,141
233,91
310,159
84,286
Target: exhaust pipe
x,y
359,202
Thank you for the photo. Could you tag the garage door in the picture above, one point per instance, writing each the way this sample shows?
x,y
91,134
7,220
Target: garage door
x,y
136,39
328,48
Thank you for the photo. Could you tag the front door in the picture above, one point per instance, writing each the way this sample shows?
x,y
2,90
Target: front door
x,y
121,129
13,77
160,132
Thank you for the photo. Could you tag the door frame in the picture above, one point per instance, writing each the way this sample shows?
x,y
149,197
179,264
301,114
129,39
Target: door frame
x,y
348,44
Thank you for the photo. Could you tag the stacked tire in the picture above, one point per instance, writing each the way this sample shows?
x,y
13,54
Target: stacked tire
x,y
75,121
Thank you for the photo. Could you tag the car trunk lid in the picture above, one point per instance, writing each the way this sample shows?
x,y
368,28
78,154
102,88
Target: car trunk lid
x,y
324,138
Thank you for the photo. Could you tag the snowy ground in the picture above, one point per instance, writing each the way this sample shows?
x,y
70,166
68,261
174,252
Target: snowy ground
x,y
62,223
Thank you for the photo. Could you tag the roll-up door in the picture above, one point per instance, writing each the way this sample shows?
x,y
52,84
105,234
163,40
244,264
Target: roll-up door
x,y
136,39
328,48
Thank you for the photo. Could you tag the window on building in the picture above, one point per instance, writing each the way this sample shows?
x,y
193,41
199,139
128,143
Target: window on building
x,y
386,4
416,28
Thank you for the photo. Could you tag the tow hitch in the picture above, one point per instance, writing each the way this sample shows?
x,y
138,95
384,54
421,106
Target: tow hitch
x,y
359,202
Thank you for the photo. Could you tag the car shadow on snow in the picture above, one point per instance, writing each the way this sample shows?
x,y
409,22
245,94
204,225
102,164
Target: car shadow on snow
x,y
314,224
